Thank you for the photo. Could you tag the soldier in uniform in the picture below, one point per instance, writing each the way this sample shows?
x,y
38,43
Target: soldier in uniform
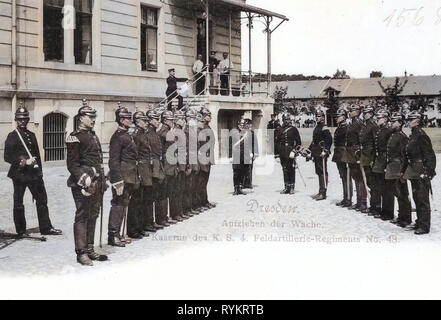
x,y
321,149
248,177
192,167
396,166
26,172
385,205
420,171
367,151
158,177
123,174
287,139
352,158
172,87
141,199
339,150
207,140
87,180
168,138
243,152
180,125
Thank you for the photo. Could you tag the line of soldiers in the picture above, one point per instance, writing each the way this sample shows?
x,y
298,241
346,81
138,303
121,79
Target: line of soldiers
x,y
157,176
378,157
372,153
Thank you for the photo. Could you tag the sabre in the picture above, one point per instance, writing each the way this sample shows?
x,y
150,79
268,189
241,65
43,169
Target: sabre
x,y
300,174
26,147
348,180
364,182
324,172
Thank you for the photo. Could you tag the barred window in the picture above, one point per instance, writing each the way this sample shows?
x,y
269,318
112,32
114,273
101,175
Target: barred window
x,y
83,31
53,32
54,134
149,39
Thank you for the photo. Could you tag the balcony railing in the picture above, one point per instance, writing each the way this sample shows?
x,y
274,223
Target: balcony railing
x,y
238,83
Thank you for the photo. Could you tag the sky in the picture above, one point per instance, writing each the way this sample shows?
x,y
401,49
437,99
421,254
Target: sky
x,y
358,36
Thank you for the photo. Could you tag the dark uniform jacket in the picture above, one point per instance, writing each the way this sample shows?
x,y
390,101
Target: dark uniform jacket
x,y
367,141
420,156
83,155
340,141
123,158
213,63
287,139
381,139
396,155
244,147
352,141
320,134
206,141
172,84
155,145
145,163
15,152
167,140
192,133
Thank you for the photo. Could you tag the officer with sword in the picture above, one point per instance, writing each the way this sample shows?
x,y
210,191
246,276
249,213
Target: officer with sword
x,y
320,148
420,170
22,152
88,184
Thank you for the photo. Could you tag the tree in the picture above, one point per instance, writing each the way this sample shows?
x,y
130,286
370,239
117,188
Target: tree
x,y
331,103
392,94
376,74
340,75
279,96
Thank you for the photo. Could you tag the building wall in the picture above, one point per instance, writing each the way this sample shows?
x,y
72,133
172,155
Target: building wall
x,y
115,74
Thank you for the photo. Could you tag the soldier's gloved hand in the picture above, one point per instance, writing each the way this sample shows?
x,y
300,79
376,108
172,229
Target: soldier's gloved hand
x,y
85,180
90,190
119,187
292,155
31,161
251,155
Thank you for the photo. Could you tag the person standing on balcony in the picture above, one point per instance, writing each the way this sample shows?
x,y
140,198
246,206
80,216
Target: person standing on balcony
x,y
172,89
224,69
212,68
199,77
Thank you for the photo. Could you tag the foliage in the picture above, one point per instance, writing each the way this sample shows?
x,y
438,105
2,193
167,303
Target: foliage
x,y
393,100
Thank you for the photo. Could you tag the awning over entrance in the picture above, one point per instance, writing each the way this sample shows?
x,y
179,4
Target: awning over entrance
x,y
252,9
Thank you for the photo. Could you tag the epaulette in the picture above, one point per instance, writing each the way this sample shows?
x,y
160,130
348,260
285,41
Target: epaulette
x,y
72,139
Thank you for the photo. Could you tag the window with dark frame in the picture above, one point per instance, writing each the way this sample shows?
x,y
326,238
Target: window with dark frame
x,y
149,38
53,32
83,31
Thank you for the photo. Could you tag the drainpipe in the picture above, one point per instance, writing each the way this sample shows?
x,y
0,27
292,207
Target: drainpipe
x,y
207,45
14,60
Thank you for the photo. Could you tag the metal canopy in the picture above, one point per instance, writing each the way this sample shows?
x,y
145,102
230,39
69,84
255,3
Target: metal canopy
x,y
252,9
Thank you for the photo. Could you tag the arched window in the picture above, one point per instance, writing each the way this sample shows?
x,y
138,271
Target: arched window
x,y
54,133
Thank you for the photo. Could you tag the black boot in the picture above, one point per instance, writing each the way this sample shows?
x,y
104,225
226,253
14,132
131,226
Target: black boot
x,y
286,190
237,191
115,241
84,259
291,189
95,256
